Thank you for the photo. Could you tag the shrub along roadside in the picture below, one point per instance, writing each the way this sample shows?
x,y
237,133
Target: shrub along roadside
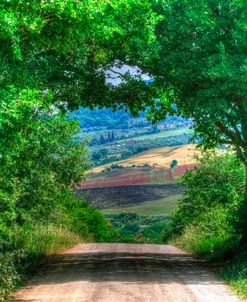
x,y
210,218
22,247
83,219
234,272
210,236
41,159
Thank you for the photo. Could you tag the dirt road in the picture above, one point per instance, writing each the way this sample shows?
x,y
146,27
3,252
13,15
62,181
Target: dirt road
x,y
124,273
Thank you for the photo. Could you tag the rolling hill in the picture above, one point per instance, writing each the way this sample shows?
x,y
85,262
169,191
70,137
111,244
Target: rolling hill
x,y
157,157
142,183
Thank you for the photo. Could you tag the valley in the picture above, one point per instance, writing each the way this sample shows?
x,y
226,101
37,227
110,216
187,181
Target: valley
x,y
104,194
139,194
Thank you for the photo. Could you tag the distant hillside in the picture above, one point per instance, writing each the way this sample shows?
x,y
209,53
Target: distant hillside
x,y
143,184
108,119
119,198
158,157
114,136
105,118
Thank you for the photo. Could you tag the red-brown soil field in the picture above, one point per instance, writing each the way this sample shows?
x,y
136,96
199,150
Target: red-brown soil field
x,y
134,176
146,168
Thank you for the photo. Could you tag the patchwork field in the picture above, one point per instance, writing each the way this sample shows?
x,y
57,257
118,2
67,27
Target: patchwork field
x,y
128,176
159,157
162,134
149,167
143,183
120,198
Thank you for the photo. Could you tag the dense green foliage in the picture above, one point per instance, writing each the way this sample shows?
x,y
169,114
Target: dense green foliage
x,y
208,217
201,66
101,118
83,219
135,228
217,182
66,46
38,155
210,220
40,161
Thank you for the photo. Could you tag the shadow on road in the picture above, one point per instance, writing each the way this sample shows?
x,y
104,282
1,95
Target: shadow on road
x,y
121,267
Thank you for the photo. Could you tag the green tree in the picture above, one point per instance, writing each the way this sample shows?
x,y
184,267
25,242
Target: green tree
x,y
66,47
200,65
40,155
102,139
173,164
218,181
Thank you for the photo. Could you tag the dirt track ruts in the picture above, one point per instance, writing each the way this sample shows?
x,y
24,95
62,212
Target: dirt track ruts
x,y
124,273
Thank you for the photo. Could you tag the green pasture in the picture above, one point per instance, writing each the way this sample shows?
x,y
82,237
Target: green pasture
x,y
161,134
160,207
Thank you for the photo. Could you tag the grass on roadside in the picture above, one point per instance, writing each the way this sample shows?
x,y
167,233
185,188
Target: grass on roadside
x,y
213,238
234,268
45,240
33,243
235,272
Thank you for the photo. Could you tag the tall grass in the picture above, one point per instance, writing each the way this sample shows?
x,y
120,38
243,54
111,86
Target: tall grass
x,y
233,268
29,244
210,236
235,272
43,240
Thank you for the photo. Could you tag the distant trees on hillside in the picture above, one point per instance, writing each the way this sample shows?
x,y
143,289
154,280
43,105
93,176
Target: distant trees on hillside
x,y
107,119
102,118
173,164
102,139
110,137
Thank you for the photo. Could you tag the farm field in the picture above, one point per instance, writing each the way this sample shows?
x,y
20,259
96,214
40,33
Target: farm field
x,y
126,196
126,176
121,149
159,207
162,134
139,194
157,157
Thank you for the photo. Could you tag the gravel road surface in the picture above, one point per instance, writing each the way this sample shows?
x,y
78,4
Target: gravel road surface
x,y
124,273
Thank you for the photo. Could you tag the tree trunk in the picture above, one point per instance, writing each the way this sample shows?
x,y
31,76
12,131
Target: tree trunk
x,y
243,211
245,191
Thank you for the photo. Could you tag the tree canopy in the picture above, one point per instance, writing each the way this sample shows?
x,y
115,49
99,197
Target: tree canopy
x,y
39,156
65,47
54,57
202,67
194,51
